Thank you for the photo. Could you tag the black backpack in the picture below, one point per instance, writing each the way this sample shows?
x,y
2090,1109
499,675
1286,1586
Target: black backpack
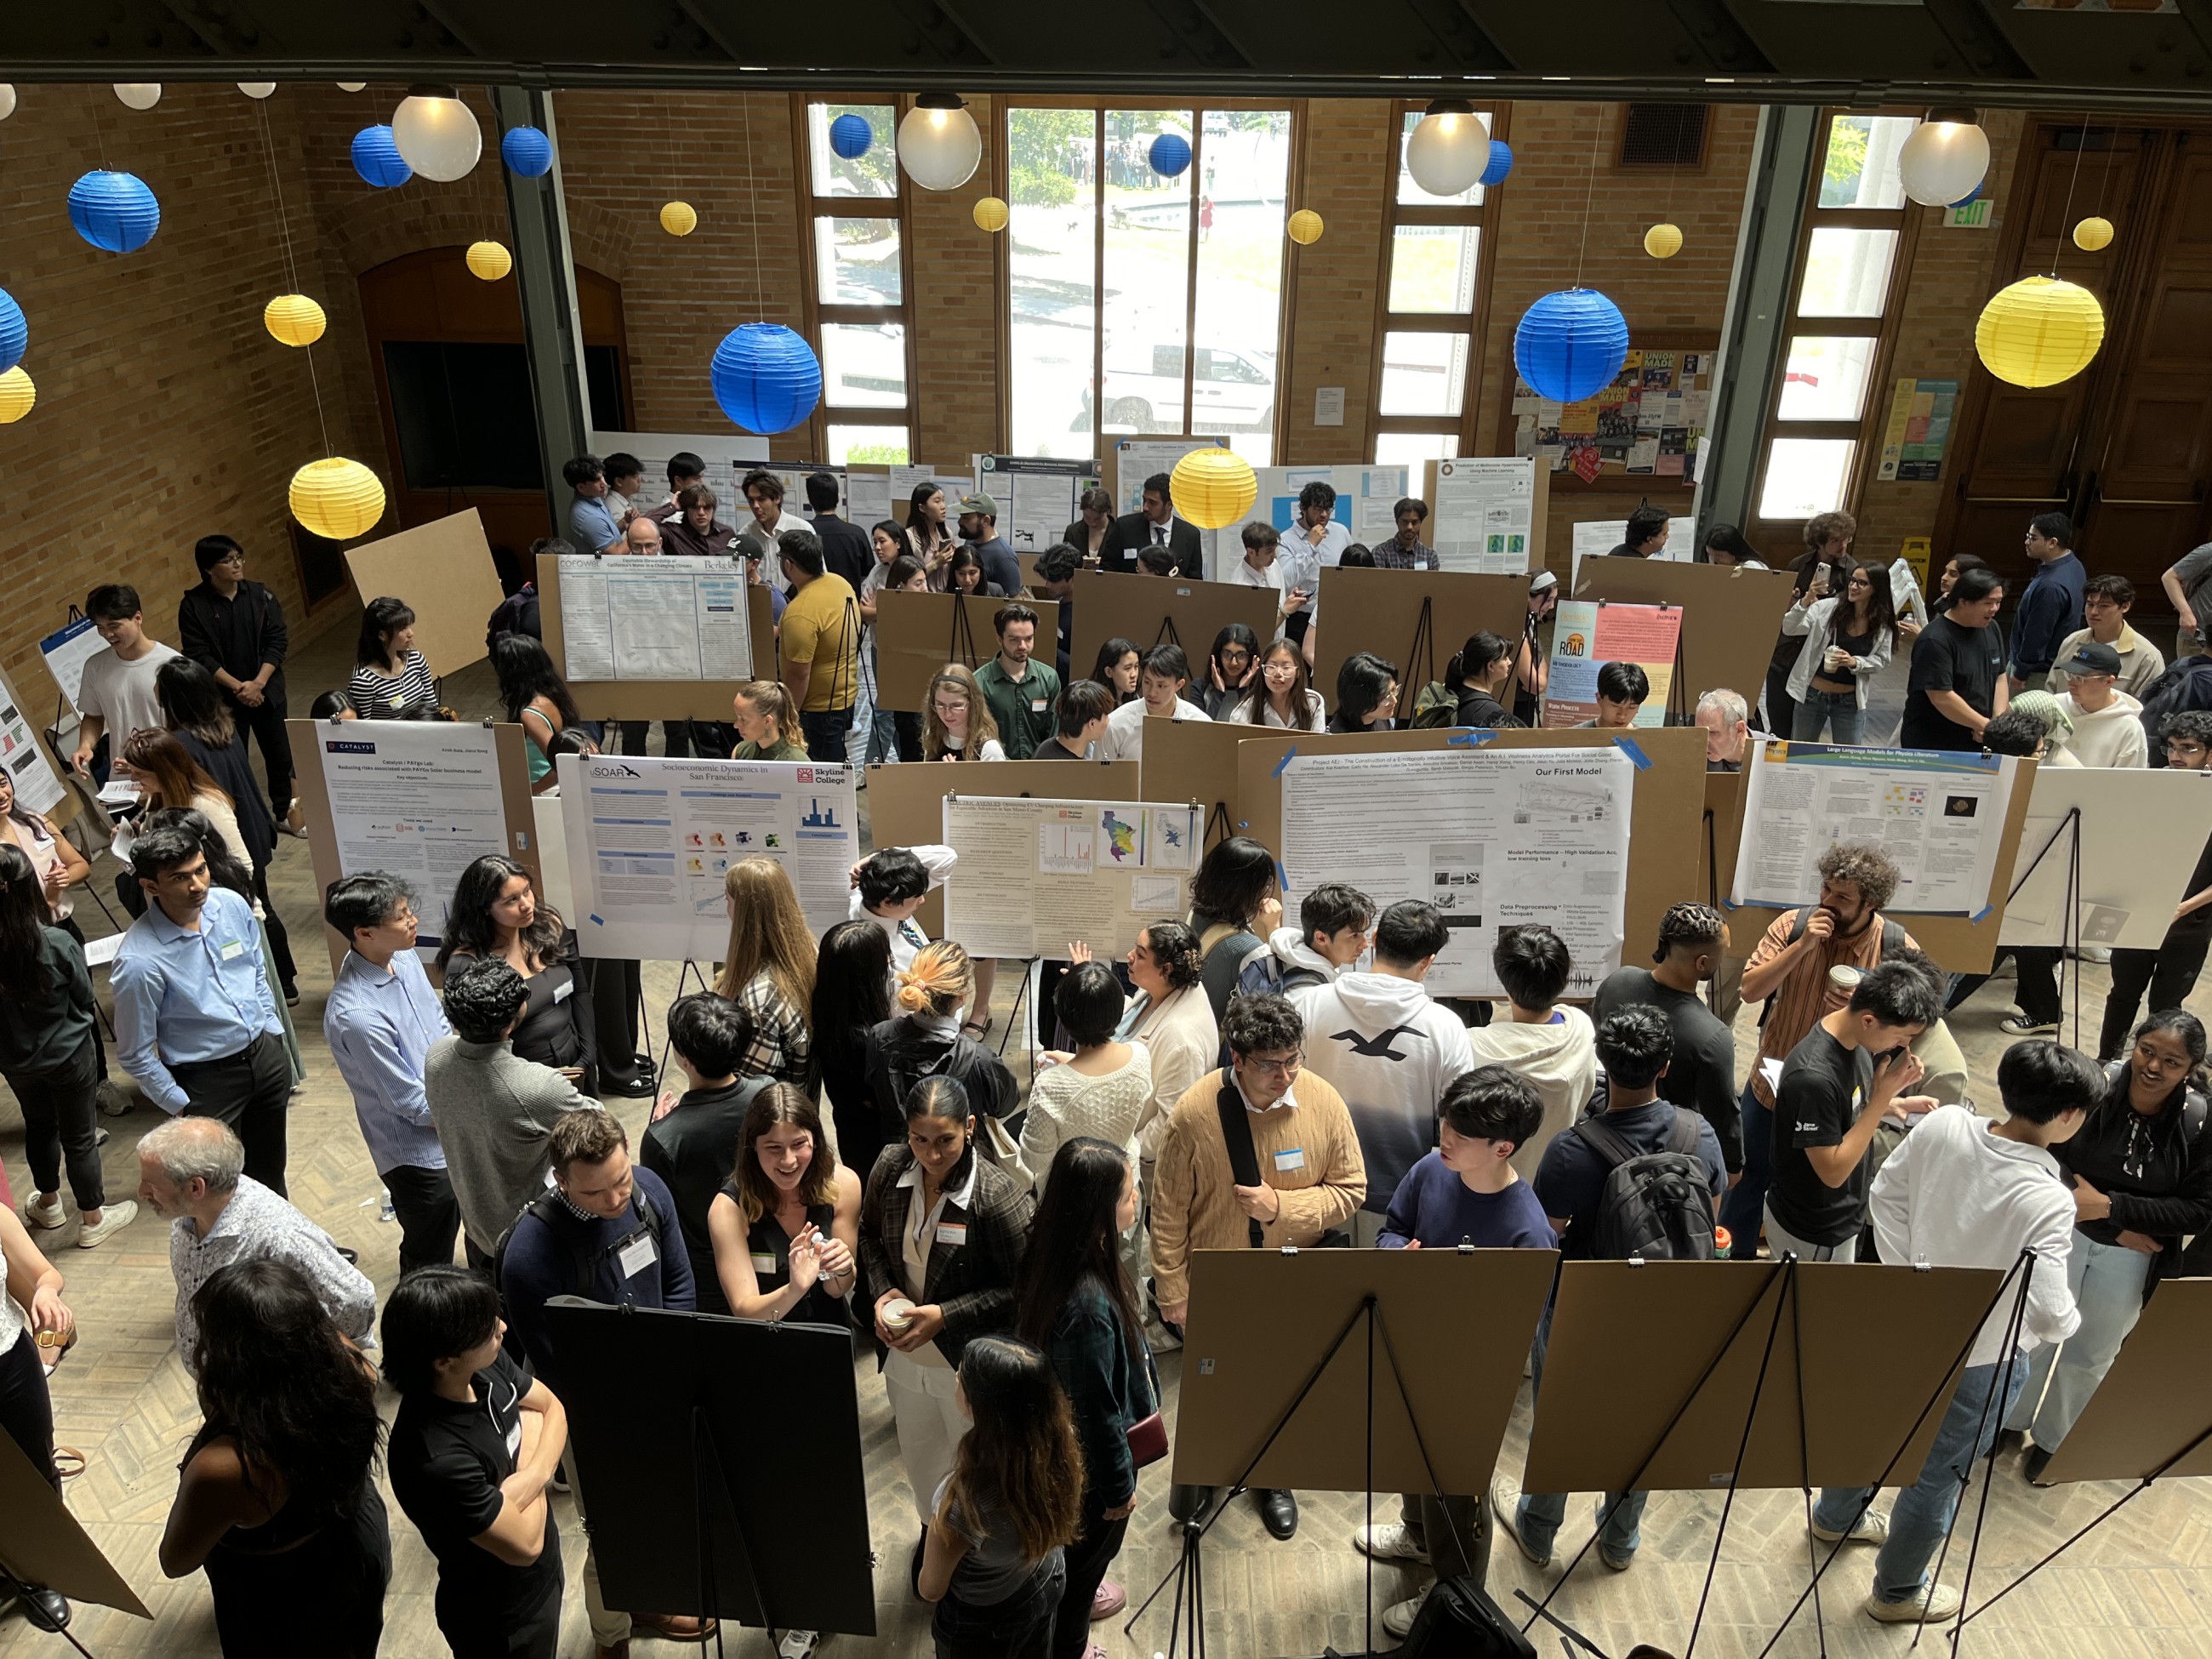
x,y
1655,1205
2185,684
516,614
583,1261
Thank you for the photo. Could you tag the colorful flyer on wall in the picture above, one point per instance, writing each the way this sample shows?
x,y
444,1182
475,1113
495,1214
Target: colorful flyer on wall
x,y
1591,633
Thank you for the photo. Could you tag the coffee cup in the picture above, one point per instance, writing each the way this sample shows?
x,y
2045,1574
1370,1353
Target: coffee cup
x,y
898,1314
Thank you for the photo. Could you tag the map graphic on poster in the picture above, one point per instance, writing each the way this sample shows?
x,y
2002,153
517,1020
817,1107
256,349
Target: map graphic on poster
x,y
1589,634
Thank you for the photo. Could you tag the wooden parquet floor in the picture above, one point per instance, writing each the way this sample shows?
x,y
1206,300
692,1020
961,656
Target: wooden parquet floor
x,y
2140,1588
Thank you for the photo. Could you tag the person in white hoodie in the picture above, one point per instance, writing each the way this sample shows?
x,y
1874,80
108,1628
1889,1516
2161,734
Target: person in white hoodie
x,y
1335,923
1378,1040
2108,728
1554,1048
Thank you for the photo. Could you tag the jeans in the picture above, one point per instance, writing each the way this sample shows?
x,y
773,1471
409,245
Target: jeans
x,y
1839,711
250,1091
2169,972
1922,1514
2108,1281
60,1117
1743,1205
1538,1522
1019,1627
429,1216
825,730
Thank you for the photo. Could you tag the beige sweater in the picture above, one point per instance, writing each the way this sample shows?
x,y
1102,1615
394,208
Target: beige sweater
x,y
1194,1196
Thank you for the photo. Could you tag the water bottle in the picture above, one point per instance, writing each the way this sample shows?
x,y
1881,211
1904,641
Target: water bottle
x,y
387,1214
1720,1242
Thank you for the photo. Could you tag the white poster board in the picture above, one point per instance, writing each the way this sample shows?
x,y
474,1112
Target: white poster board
x,y
2141,834
1939,817
664,618
38,787
1484,516
418,799
1037,495
728,455
1136,459
1596,538
650,840
65,652
1493,838
1036,874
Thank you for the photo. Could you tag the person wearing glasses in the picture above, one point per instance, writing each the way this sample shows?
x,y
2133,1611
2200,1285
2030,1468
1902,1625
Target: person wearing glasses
x,y
1259,1153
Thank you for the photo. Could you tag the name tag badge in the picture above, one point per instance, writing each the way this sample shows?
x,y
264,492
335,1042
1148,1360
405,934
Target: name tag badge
x,y
1291,1157
637,1256
764,1262
952,1232
563,991
1036,705
235,948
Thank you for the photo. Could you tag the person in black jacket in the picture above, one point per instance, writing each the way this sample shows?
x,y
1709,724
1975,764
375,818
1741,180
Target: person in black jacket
x,y
2141,1167
846,550
235,628
851,997
925,1040
693,1137
1155,526
1481,669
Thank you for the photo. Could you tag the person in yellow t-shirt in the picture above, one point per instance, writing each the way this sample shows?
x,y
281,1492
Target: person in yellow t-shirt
x,y
821,644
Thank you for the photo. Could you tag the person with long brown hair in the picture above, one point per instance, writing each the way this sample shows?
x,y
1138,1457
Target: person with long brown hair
x,y
767,723
957,725
994,1560
495,916
769,969
786,1224
169,776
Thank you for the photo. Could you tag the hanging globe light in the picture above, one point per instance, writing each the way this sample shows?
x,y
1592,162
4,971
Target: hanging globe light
x,y
1570,345
990,215
377,158
1944,158
1304,227
1170,155
138,94
678,218
1449,150
851,136
765,377
527,152
436,134
17,394
257,88
352,86
1213,487
15,332
1663,241
1500,164
2093,234
114,211
488,261
2040,332
7,100
337,498
938,145
294,320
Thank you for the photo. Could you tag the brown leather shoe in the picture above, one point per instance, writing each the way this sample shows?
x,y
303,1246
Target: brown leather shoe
x,y
674,1627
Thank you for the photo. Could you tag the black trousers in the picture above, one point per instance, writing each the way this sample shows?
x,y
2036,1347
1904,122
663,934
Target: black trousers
x,y
250,1091
675,735
1098,1541
2169,973
61,1118
616,989
537,1636
26,1411
266,723
1019,1627
429,1215
908,727
2037,989
280,942
1781,706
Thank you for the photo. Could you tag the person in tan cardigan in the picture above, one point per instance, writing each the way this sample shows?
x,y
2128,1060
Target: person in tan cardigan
x,y
1311,1179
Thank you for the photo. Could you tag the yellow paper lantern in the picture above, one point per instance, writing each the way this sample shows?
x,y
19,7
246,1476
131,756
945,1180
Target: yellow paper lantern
x,y
17,394
490,260
678,218
337,498
1305,227
991,215
294,319
1663,241
1213,486
2040,332
2092,233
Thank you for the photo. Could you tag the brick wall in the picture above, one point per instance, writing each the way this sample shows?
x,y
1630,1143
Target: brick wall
x,y
1349,151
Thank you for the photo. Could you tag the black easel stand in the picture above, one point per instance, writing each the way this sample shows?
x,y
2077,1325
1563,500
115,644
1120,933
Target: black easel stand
x,y
962,650
2069,935
691,974
1168,635
1216,815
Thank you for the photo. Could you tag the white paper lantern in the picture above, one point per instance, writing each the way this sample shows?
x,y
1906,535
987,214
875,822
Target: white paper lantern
x,y
7,102
939,143
436,134
1448,149
351,86
1944,158
257,88
138,94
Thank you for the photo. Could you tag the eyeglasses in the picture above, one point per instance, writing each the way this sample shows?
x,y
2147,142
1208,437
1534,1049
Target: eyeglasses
x,y
1276,1068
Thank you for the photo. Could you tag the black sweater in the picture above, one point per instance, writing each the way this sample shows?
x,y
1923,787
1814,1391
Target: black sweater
x,y
2158,1174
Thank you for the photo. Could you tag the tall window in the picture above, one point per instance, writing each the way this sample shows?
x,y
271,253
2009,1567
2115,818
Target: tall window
x,y
1857,245
1138,301
1432,266
857,298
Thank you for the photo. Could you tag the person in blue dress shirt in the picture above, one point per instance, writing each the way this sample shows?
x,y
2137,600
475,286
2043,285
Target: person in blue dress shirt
x,y
194,1021
380,1021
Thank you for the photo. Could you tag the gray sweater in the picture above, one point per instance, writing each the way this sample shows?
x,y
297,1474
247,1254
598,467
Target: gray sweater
x,y
495,1113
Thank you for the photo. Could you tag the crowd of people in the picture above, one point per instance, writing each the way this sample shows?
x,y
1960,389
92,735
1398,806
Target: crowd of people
x,y
847,1149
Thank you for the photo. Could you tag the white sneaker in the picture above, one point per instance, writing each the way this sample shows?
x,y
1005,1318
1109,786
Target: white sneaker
x,y
1505,1511
40,1213
1397,1618
1872,1528
1935,1603
113,1218
1388,1540
796,1645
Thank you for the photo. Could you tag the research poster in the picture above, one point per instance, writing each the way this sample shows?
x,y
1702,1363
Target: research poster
x,y
1938,816
38,787
1492,837
1136,459
1596,538
1038,496
420,799
728,458
1483,517
2141,834
1589,634
65,652
664,618
1035,875
650,841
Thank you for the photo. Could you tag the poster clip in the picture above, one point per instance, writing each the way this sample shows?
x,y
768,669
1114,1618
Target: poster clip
x,y
1288,757
1975,918
1472,735
487,725
1628,747
1730,904
598,921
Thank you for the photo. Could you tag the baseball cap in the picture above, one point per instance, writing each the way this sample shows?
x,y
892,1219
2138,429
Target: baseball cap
x,y
986,505
2091,658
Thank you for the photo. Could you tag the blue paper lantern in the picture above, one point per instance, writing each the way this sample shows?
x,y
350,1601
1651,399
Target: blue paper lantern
x,y
1570,345
114,211
15,332
1170,154
850,135
526,150
1970,196
766,378
1500,163
376,158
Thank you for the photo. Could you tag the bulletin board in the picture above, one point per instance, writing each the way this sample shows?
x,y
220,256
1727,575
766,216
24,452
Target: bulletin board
x,y
1731,616
444,571
1666,828
1163,610
1381,611
906,803
917,634
653,700
1196,760
1642,431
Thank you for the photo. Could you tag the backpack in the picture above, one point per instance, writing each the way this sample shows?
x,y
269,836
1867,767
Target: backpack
x,y
1263,971
516,614
1436,705
1656,1206
1892,939
2184,685
583,1261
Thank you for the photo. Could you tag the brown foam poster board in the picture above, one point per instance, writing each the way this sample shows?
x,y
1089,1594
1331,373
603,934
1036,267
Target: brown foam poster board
x,y
654,700
1723,834
1961,944
1666,825
2153,1403
1153,611
1731,616
1878,1342
1380,611
444,571
917,634
307,738
1196,761
41,1542
906,803
1028,563
1261,1320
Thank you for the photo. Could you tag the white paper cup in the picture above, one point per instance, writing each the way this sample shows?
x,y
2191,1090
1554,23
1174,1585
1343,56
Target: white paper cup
x,y
897,1316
